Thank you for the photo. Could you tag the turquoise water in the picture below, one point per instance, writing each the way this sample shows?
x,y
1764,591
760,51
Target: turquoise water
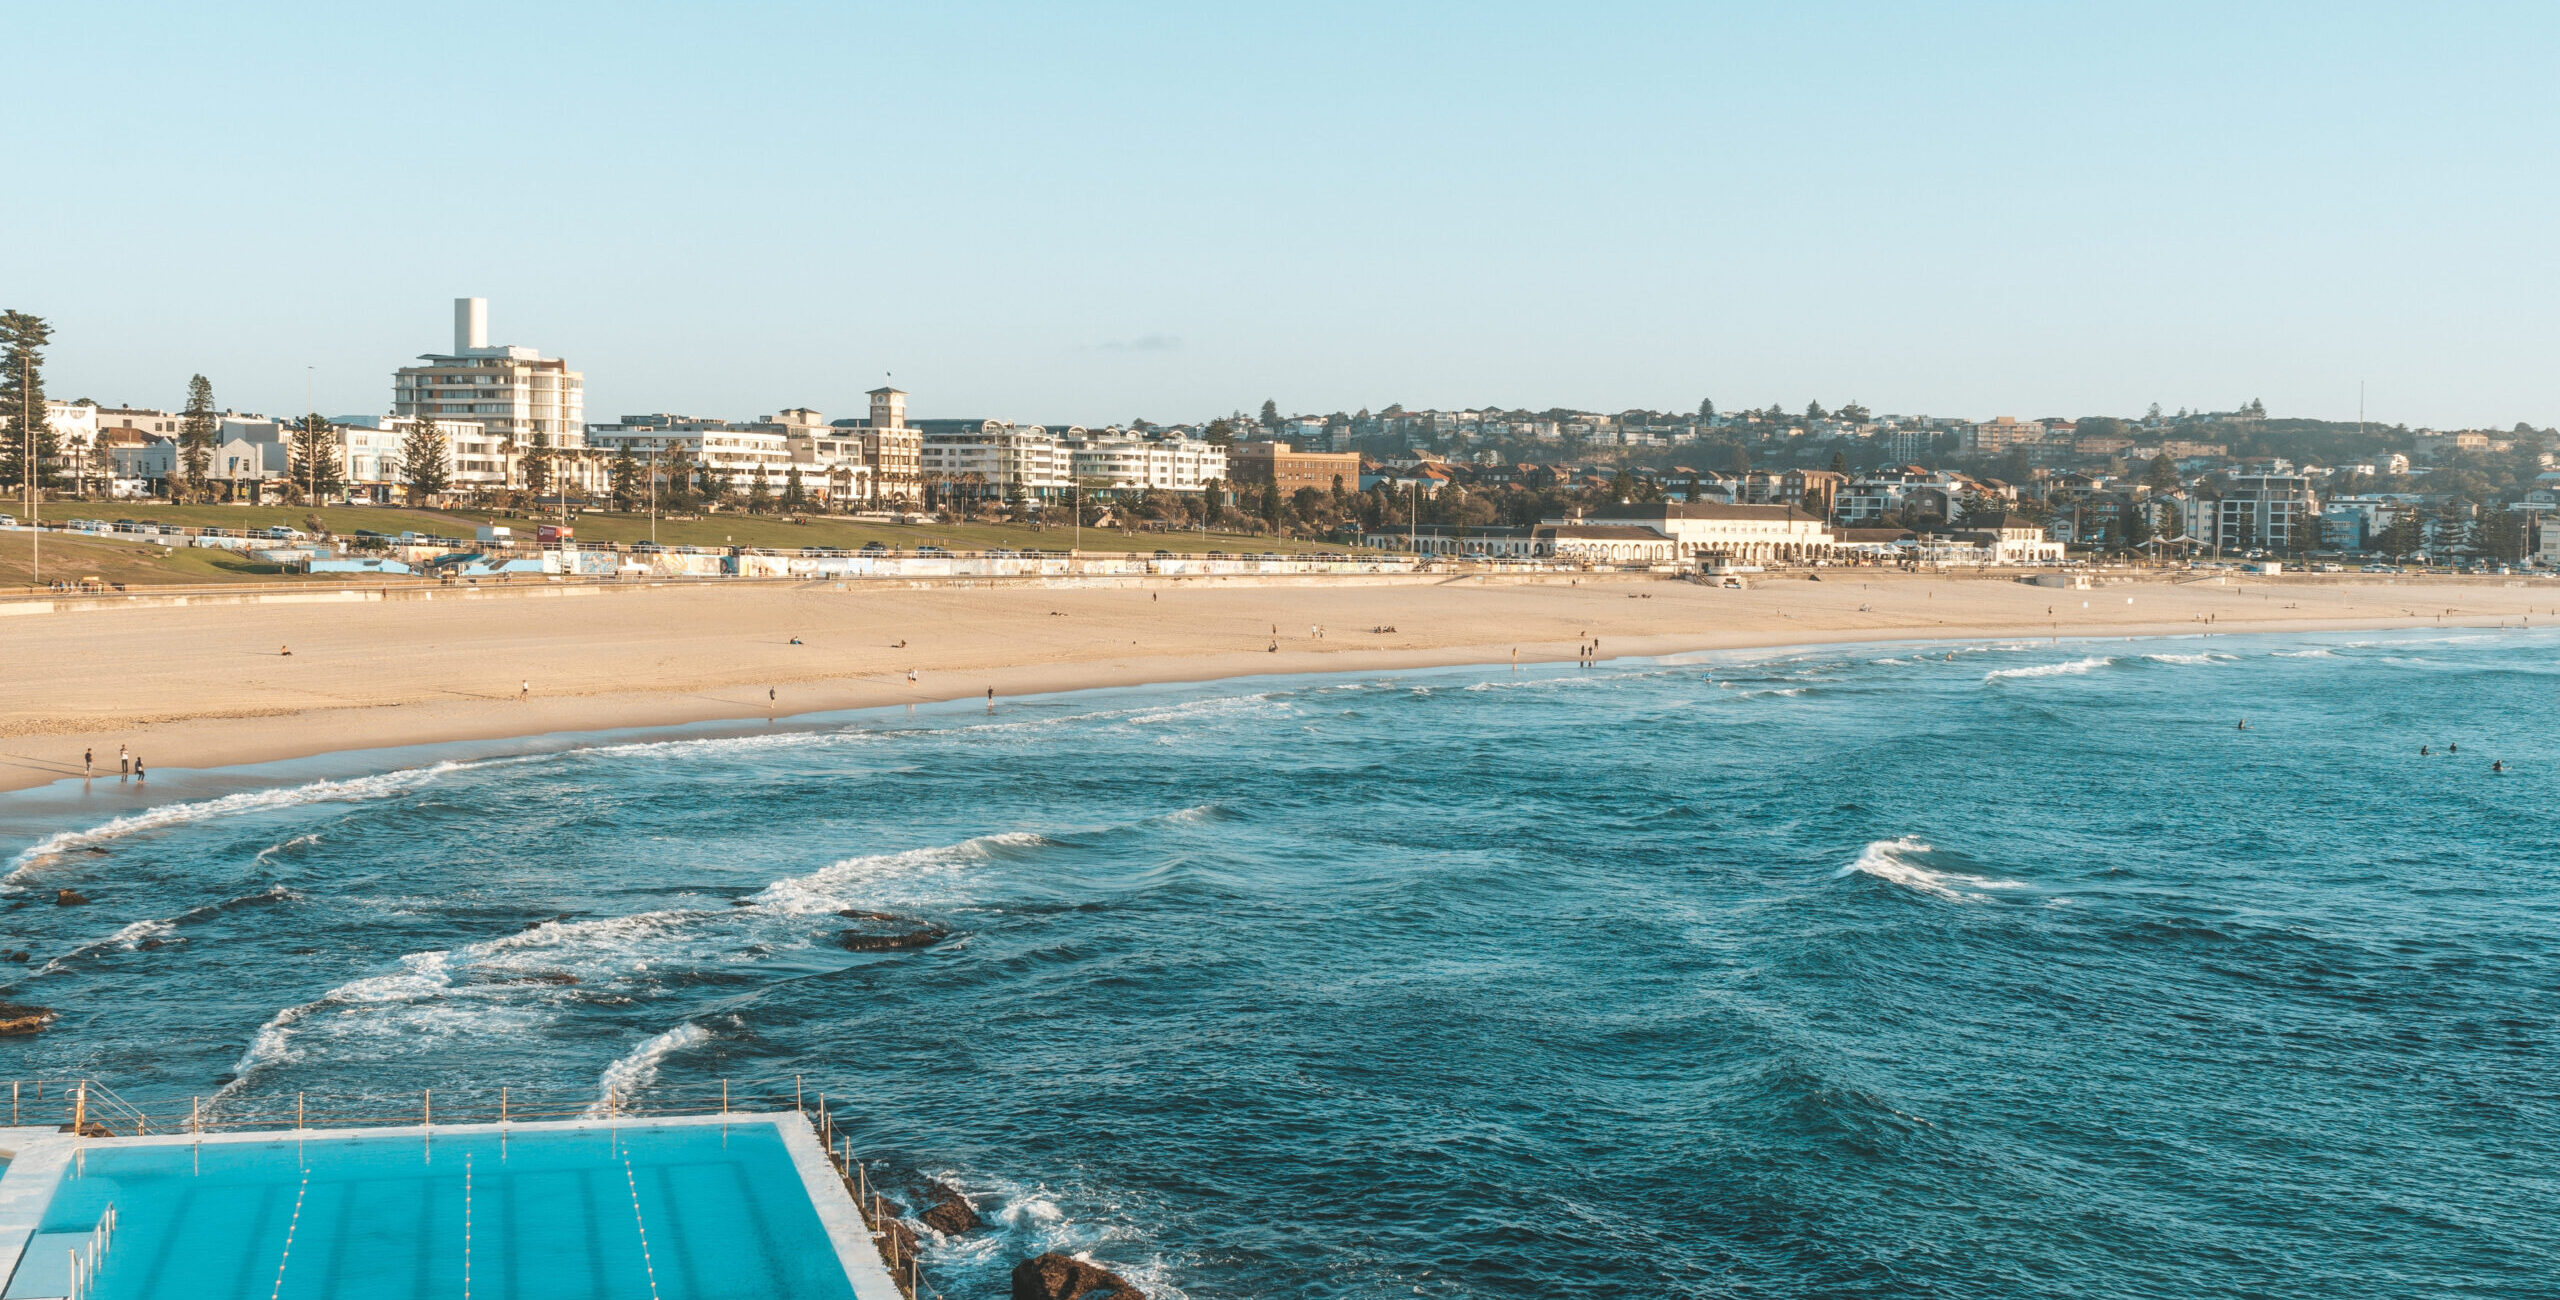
x,y
549,1214
2000,970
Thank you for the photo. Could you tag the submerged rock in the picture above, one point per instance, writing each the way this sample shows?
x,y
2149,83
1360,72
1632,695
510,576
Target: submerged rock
x,y
1064,1277
865,941
951,1214
899,1240
19,1018
69,898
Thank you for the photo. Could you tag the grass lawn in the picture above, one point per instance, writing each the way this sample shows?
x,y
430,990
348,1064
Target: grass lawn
x,y
130,562
779,533
337,519
773,532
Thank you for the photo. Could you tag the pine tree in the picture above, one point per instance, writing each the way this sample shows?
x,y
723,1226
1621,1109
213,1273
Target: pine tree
x,y
537,464
759,491
795,493
1270,414
22,340
1706,408
626,479
196,431
422,455
316,460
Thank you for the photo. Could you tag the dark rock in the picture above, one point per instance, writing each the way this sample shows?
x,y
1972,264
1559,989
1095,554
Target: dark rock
x,y
149,945
862,941
19,955
1064,1277
899,1241
95,851
951,1214
19,1018
69,898
857,914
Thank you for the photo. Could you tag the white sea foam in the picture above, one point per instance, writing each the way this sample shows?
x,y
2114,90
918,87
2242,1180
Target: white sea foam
x,y
830,888
1198,710
1894,861
2207,657
268,853
2073,668
421,976
637,1070
352,790
127,939
1029,1219
514,984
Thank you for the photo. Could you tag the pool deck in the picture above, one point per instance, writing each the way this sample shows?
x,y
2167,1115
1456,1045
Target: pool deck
x,y
38,1157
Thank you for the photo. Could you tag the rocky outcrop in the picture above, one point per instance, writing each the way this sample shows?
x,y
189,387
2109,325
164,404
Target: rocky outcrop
x,y
951,1214
889,933
898,1241
69,898
1064,1277
867,941
19,1018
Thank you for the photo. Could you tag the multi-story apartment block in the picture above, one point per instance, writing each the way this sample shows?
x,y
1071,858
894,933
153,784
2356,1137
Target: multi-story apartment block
x,y
731,452
1115,461
2275,511
990,459
513,393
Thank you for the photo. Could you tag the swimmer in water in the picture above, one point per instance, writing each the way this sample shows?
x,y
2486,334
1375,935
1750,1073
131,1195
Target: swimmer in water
x,y
2497,766
2244,724
2423,751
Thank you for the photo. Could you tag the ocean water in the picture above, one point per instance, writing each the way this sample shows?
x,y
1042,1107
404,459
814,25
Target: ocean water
x,y
2004,969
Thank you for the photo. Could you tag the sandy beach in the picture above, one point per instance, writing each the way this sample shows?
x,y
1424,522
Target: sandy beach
x,y
200,687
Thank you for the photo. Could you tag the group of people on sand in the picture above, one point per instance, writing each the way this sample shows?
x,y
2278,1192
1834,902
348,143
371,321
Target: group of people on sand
x,y
128,763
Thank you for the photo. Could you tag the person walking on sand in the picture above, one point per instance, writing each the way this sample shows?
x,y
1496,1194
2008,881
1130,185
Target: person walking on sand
x,y
524,690
88,761
137,767
911,677
124,761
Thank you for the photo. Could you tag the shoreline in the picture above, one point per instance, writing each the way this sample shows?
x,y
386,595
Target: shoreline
x,y
359,682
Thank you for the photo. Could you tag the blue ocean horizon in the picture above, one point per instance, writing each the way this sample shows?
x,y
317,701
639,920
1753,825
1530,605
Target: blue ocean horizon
x,y
1996,968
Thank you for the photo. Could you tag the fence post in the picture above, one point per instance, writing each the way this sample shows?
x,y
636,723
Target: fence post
x,y
430,1113
502,1103
80,1111
297,1112
724,1096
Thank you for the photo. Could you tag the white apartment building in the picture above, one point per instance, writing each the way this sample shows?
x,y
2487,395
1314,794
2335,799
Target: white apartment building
x,y
2262,511
512,392
1116,461
475,459
991,458
735,452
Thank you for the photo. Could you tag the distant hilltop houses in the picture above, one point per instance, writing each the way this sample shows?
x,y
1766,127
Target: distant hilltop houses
x,y
498,424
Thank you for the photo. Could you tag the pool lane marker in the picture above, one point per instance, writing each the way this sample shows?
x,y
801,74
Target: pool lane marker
x,y
466,1226
633,1183
287,1257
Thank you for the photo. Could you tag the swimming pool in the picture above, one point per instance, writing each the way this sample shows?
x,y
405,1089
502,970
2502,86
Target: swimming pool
x,y
676,1210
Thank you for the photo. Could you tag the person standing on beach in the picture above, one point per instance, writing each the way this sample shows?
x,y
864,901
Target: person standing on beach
x,y
524,690
124,761
88,761
137,767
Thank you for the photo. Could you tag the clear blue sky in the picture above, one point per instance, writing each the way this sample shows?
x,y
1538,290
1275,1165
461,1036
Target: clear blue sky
x,y
1098,212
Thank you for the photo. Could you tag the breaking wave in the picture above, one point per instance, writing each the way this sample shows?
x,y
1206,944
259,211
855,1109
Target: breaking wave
x,y
2073,668
352,790
1896,861
636,1071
